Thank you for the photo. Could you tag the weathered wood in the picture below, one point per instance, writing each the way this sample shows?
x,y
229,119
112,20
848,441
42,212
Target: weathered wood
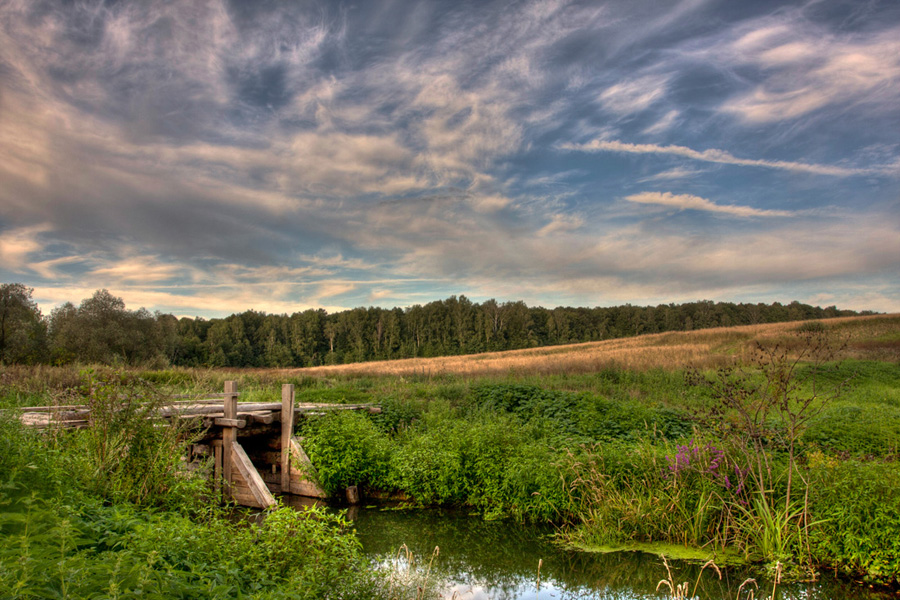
x,y
246,470
228,434
265,428
300,485
287,430
305,487
217,470
261,417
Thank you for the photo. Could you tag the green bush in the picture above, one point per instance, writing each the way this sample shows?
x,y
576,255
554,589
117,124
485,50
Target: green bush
x,y
88,550
855,506
347,449
428,465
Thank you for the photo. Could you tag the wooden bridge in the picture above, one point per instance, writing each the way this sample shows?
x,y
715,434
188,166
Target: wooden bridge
x,y
252,444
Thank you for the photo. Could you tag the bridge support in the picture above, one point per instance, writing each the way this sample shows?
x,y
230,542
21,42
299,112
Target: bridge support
x,y
254,462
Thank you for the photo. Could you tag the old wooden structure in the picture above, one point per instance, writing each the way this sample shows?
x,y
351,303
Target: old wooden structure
x,y
252,444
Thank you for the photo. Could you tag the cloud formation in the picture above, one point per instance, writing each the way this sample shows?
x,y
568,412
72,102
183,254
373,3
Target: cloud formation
x,y
690,202
211,157
714,155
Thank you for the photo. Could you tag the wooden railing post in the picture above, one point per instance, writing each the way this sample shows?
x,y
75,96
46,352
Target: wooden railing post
x,y
287,430
229,434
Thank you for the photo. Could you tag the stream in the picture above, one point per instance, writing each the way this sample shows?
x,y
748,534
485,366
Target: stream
x,y
498,560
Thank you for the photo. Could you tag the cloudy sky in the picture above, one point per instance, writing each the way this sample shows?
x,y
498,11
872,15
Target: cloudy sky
x,y
204,158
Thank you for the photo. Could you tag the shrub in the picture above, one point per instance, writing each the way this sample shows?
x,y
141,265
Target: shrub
x,y
347,449
855,506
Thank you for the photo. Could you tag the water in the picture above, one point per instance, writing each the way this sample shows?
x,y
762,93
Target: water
x,y
481,560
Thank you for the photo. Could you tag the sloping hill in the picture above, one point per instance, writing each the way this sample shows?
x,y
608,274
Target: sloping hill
x,y
871,337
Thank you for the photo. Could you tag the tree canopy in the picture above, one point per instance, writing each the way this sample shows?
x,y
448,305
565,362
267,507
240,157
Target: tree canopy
x,y
102,330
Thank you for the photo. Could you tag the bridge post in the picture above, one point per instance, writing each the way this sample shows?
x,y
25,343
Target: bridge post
x,y
229,434
287,431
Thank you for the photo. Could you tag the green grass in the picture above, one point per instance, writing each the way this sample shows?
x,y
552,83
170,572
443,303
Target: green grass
x,y
588,451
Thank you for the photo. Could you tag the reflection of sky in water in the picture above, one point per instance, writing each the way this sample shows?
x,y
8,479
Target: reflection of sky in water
x,y
481,560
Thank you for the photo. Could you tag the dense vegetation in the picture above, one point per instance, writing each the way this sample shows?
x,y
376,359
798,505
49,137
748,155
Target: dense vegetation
x,y
629,458
109,512
789,458
101,330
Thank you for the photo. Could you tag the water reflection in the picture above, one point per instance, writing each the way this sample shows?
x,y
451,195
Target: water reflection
x,y
499,561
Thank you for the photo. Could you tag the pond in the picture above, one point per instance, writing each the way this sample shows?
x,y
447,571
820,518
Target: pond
x,y
498,560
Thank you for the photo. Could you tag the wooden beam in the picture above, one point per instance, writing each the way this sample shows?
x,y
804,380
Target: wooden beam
x,y
229,433
263,417
223,422
300,485
217,472
242,465
287,431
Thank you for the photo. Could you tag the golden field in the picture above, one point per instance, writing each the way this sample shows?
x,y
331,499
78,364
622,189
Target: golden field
x,y
874,337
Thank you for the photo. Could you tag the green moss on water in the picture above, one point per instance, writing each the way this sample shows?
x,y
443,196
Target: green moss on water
x,y
729,556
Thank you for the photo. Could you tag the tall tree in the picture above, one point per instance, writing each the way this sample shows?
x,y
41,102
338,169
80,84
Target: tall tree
x,y
22,330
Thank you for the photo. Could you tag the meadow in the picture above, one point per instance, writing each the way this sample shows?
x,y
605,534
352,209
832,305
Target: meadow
x,y
775,444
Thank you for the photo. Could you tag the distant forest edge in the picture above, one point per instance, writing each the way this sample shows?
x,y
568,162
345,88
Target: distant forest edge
x,y
102,330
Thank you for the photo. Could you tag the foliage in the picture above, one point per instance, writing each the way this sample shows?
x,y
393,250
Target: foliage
x,y
57,550
101,330
23,332
347,449
857,505
125,454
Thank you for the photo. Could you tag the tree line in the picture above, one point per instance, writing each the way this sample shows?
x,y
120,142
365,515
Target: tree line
x,y
102,330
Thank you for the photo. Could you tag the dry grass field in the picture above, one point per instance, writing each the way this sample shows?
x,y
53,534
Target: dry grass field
x,y
871,337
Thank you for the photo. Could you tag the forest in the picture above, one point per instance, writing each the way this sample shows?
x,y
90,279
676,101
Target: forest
x,y
102,330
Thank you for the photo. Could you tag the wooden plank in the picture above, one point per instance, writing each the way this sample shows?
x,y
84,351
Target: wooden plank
x,y
300,485
225,422
263,417
229,433
287,431
305,487
217,472
243,466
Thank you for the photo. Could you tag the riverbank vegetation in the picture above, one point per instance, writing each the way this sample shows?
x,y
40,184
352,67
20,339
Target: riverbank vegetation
x,y
782,452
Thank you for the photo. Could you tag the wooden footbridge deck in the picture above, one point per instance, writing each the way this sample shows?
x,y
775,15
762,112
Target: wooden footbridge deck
x,y
253,445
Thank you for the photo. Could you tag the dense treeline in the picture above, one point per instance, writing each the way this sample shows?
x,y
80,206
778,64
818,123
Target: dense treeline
x,y
102,330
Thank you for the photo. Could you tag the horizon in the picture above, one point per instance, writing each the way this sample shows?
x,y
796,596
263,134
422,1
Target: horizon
x,y
209,159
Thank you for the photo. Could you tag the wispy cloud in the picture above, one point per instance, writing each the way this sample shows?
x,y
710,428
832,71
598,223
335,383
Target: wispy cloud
x,y
808,68
690,202
670,174
561,224
663,124
634,95
714,155
17,245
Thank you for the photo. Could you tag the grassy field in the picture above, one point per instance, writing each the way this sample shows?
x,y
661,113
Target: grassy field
x,y
621,443
867,338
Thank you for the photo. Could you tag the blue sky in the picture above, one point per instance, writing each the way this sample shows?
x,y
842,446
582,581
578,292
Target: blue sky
x,y
204,158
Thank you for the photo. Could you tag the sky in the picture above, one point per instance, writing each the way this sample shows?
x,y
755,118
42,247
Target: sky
x,y
206,157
